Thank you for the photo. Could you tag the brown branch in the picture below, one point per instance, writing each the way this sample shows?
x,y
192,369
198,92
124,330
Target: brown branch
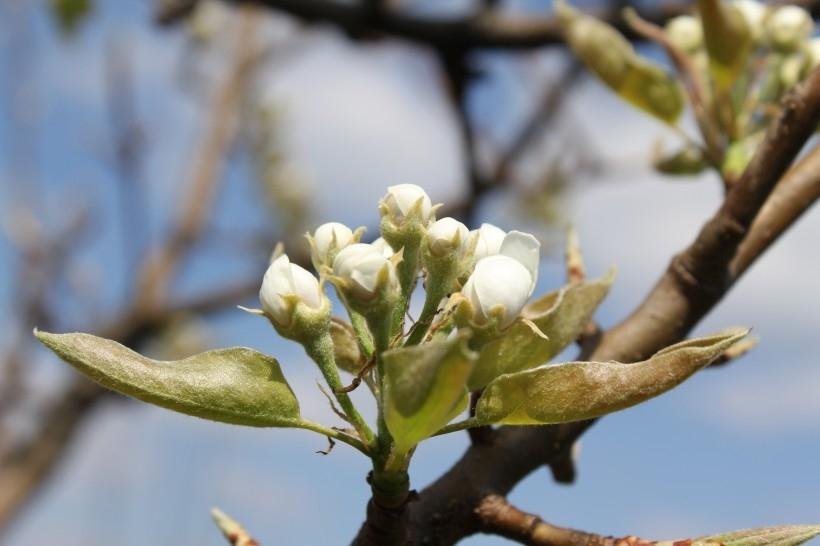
x,y
794,194
207,168
694,282
30,463
499,517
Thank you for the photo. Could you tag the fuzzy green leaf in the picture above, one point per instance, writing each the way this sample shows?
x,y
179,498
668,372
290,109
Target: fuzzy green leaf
x,y
786,535
560,315
425,388
610,56
236,385
582,390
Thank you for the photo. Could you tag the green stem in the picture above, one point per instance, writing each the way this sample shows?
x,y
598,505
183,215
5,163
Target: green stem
x,y
335,434
435,293
461,425
407,270
320,350
362,334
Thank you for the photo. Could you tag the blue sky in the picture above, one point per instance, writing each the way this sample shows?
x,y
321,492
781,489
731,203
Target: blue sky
x,y
733,448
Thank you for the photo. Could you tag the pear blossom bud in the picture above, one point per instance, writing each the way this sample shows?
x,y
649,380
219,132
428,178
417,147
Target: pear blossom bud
x,y
285,287
446,236
498,288
754,13
489,242
501,284
384,247
328,240
685,32
365,271
405,200
788,27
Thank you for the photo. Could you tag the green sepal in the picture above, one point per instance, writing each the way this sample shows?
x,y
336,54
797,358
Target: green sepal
x,y
583,390
560,315
236,385
425,388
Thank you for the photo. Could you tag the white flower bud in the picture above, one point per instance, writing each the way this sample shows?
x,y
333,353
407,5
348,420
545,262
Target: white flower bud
x,y
365,269
685,32
754,13
489,242
789,27
500,285
284,287
384,247
403,199
330,238
446,236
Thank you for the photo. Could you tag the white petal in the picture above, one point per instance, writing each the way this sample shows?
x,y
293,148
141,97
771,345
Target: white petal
x,y
525,249
500,281
446,235
382,246
490,238
327,233
402,197
306,286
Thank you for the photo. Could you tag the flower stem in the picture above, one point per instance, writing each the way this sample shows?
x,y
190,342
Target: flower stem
x,y
320,350
460,425
335,434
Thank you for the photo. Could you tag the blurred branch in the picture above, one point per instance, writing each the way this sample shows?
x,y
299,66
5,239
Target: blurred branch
x,y
195,205
23,468
489,29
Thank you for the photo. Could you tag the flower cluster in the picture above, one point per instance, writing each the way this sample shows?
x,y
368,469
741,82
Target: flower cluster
x,y
488,272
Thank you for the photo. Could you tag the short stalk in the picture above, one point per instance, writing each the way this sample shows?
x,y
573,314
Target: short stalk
x,y
407,271
321,351
461,425
334,434
362,334
435,293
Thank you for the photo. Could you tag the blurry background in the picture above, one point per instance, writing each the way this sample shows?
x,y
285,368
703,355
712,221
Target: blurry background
x,y
147,170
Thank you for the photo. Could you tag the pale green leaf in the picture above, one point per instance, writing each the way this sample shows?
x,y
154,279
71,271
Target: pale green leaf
x,y
236,385
425,388
610,56
786,535
560,315
582,390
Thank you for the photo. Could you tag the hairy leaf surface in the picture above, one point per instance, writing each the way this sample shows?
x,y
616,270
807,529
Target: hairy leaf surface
x,y
582,390
425,388
236,385
560,315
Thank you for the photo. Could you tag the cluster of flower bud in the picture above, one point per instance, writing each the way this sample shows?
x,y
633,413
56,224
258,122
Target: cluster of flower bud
x,y
492,272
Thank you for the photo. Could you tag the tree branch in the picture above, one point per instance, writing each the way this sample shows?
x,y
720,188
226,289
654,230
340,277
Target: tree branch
x,y
499,517
491,29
